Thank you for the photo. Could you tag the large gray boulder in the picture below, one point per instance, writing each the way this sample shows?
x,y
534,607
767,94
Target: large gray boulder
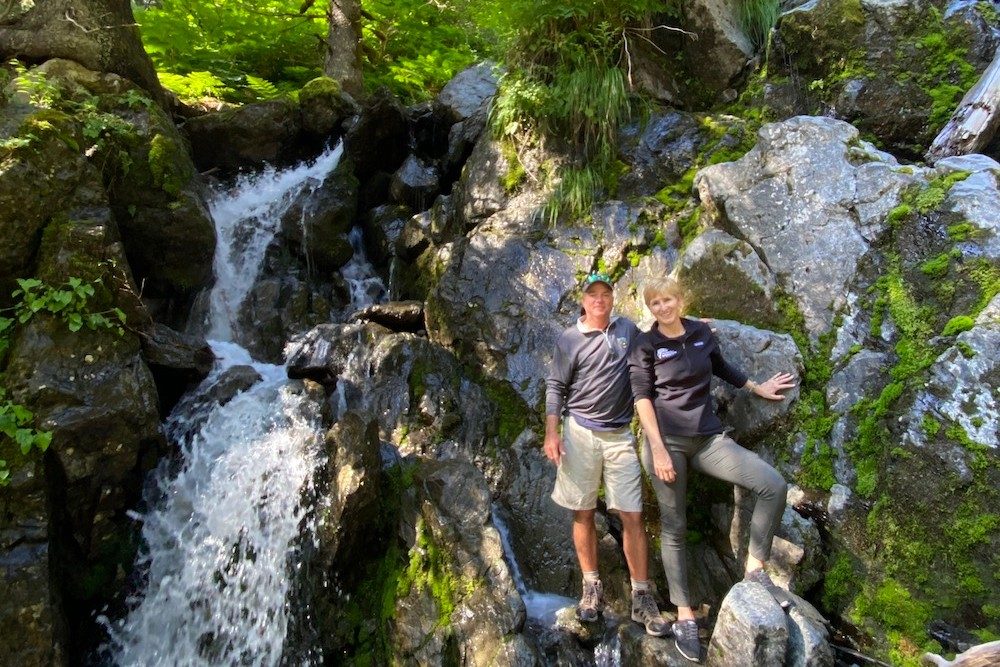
x,y
468,91
760,354
750,629
810,198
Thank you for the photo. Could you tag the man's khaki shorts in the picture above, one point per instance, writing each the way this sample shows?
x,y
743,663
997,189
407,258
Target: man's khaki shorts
x,y
588,454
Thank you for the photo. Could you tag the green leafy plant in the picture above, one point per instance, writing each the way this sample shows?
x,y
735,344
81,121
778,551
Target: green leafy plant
x,y
757,17
569,81
68,302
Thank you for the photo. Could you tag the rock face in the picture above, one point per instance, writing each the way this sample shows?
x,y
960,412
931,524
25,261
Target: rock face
x,y
894,69
93,391
810,198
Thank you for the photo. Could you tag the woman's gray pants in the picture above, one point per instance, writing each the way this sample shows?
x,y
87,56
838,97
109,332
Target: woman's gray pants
x,y
718,456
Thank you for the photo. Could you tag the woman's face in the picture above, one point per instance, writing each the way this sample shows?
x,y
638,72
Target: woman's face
x,y
666,308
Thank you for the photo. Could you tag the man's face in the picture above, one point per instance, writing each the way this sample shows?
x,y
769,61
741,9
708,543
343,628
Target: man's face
x,y
598,300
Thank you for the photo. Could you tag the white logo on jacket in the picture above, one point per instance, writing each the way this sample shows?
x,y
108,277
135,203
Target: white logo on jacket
x,y
699,343
664,353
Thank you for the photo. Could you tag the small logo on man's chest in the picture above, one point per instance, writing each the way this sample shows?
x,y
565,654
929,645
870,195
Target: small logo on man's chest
x,y
665,353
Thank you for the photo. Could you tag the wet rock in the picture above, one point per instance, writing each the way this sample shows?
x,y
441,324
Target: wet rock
x,y
760,354
349,488
855,380
814,221
315,225
323,352
977,200
451,539
395,315
32,625
231,382
750,629
462,137
468,91
383,226
415,183
246,137
375,140
176,360
324,107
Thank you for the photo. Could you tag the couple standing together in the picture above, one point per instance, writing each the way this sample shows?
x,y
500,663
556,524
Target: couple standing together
x,y
603,365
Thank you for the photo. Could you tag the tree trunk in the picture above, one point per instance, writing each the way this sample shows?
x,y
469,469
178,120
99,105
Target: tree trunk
x,y
974,123
101,35
343,44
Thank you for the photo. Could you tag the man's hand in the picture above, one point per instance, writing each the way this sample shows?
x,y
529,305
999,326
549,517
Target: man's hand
x,y
554,449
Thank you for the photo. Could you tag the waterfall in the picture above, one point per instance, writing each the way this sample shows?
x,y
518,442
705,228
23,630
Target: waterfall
x,y
246,220
365,285
224,519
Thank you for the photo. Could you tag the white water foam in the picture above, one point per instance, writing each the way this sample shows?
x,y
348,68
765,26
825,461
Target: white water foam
x,y
246,221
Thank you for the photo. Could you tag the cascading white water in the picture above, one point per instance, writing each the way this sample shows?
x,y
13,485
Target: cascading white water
x,y
246,221
540,606
223,523
365,285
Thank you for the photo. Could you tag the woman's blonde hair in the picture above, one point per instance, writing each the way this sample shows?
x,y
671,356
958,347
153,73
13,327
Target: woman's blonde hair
x,y
664,286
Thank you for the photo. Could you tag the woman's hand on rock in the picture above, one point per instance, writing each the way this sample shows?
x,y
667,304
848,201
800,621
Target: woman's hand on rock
x,y
772,387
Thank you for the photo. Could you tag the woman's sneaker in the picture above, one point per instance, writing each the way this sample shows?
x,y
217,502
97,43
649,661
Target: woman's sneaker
x,y
781,596
686,639
645,611
592,603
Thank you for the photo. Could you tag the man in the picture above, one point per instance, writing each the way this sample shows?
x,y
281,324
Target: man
x,y
588,390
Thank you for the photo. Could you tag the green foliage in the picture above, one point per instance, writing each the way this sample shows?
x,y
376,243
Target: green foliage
x,y
414,47
757,17
840,582
243,51
929,425
239,51
69,303
566,82
17,427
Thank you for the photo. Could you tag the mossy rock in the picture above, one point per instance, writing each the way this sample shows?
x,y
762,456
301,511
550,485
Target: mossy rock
x,y
324,106
41,173
897,71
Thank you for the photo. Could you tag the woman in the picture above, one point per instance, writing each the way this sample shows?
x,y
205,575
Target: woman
x,y
671,368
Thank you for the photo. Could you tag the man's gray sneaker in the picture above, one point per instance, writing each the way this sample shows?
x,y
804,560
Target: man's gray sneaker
x,y
645,612
592,603
686,639
781,596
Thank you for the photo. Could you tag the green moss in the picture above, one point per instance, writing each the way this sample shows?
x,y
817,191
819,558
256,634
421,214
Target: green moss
x,y
690,226
931,197
840,583
513,412
929,425
962,231
986,275
936,267
430,569
514,177
321,86
167,164
957,325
